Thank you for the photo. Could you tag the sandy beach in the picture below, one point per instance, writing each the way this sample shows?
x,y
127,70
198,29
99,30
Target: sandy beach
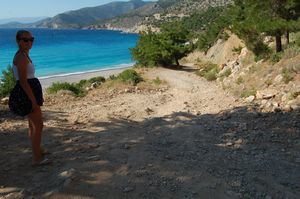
x,y
47,81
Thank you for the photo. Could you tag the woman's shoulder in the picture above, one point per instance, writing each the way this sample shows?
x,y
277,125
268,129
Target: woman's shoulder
x,y
19,58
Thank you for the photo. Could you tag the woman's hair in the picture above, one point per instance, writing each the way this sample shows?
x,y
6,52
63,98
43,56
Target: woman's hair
x,y
20,33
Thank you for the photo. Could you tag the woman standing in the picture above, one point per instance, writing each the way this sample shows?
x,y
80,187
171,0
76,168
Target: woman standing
x,y
26,98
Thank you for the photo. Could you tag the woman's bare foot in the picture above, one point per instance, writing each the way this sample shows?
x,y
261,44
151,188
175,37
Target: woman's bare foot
x,y
44,161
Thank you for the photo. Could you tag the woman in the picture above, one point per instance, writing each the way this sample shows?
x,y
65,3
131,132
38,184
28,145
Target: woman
x,y
26,98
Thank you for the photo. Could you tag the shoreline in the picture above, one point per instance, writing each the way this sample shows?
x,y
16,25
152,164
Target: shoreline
x,y
76,77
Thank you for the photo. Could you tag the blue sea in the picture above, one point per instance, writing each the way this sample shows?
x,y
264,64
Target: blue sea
x,y
64,52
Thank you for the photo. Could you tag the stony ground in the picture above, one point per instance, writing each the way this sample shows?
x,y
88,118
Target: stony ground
x,y
186,139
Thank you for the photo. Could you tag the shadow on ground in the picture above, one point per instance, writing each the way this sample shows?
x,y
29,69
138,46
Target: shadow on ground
x,y
238,153
181,68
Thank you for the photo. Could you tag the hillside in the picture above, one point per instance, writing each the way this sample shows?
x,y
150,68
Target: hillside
x,y
86,16
154,14
273,85
131,16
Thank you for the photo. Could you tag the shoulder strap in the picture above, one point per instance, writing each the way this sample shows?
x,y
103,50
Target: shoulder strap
x,y
25,55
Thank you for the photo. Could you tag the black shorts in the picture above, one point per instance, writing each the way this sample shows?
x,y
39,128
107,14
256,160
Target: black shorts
x,y
19,103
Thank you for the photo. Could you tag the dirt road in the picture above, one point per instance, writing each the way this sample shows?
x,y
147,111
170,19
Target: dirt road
x,y
187,139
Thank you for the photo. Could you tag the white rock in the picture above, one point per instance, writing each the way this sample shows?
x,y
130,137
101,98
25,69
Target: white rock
x,y
287,108
94,85
292,102
243,53
284,98
295,106
268,104
275,104
250,98
278,79
4,100
264,102
88,88
64,92
266,94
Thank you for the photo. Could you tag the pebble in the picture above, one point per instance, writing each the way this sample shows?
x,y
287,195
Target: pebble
x,y
126,146
229,144
268,197
128,189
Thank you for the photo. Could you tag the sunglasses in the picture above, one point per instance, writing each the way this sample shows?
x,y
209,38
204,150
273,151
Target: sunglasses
x,y
26,40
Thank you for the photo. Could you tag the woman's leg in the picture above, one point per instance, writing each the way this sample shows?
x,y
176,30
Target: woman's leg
x,y
30,128
36,135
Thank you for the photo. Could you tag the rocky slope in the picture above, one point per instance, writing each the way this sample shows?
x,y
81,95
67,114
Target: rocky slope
x,y
271,86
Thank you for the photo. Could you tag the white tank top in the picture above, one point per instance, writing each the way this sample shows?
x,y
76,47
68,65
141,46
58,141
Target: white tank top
x,y
30,71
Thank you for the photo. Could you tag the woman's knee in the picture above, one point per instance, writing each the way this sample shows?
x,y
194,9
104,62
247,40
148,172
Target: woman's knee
x,y
37,122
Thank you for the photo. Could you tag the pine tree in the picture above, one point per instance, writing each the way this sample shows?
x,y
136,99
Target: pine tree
x,y
272,17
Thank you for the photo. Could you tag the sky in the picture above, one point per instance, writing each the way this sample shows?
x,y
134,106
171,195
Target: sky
x,y
44,8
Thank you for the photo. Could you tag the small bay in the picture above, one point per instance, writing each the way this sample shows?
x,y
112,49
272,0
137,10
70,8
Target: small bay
x,y
70,51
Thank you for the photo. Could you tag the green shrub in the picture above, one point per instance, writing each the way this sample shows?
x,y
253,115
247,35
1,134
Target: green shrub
x,y
237,50
157,81
197,21
130,76
112,77
261,50
226,73
164,48
240,80
224,36
275,57
297,41
292,51
96,79
85,83
7,82
209,71
287,76
294,95
249,92
77,89
268,82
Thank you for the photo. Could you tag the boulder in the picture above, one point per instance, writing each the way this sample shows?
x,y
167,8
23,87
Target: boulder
x,y
278,79
4,100
287,108
250,99
266,93
285,97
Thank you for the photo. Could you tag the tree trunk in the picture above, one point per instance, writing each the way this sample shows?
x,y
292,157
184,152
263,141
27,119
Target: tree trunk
x,y
287,36
176,61
278,43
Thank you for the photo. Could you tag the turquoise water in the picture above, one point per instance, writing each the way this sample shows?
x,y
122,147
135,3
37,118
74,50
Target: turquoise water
x,y
63,52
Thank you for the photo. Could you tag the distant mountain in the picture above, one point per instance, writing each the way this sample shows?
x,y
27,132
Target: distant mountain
x,y
133,17
128,16
14,25
158,12
22,20
90,15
